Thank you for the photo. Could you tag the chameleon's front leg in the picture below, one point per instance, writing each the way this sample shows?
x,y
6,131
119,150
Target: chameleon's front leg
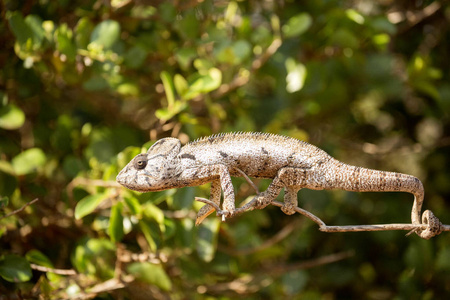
x,y
220,177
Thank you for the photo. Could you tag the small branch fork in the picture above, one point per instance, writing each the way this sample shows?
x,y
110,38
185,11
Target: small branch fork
x,y
429,221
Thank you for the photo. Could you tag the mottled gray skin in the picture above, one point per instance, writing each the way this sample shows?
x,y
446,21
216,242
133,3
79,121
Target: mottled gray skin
x,y
291,163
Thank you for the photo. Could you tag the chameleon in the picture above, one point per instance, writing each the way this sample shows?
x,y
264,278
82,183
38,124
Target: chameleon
x,y
292,164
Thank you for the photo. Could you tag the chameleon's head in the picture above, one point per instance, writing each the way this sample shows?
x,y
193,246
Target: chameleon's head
x,y
153,170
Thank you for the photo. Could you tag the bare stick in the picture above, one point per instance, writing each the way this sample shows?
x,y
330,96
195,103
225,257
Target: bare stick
x,y
207,201
357,228
20,209
51,270
248,180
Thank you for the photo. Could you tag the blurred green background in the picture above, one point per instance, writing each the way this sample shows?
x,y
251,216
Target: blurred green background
x,y
86,85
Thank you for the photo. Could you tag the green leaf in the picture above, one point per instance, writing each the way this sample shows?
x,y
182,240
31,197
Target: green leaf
x,y
133,204
128,89
153,212
35,24
241,49
168,88
83,32
65,43
115,229
297,25
14,268
296,75
207,239
149,234
28,161
150,273
88,204
204,84
11,117
21,30
355,16
106,34
37,257
180,83
165,114
184,56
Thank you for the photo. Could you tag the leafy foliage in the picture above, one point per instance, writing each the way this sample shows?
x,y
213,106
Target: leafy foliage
x,y
85,86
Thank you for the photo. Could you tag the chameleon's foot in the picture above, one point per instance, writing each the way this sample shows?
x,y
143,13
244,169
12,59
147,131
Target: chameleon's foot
x,y
288,209
260,201
225,214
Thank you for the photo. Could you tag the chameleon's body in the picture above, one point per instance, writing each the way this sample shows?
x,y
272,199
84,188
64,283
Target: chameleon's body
x,y
291,163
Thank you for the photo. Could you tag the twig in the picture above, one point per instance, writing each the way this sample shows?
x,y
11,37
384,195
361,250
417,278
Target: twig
x,y
20,209
52,270
308,264
241,80
324,227
253,185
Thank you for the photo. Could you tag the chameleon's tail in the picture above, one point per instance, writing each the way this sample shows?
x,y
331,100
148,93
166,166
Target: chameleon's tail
x,y
359,179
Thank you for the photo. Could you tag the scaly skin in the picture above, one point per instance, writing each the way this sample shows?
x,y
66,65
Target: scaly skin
x,y
291,163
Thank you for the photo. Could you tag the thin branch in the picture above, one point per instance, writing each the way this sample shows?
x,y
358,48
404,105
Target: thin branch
x,y
308,264
242,79
20,209
252,184
68,272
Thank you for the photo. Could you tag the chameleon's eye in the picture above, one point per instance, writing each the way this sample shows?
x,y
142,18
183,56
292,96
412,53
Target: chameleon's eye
x,y
141,162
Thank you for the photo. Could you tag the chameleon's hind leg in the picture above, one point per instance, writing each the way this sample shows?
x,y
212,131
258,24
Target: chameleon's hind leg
x,y
290,200
207,209
290,178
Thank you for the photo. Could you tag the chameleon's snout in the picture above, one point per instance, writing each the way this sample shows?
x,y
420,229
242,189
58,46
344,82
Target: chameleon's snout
x,y
121,177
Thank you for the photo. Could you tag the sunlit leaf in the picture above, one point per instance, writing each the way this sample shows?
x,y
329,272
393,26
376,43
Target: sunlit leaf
x,y
14,268
83,32
28,161
355,16
128,89
106,34
297,25
168,88
150,273
65,43
296,75
37,257
166,113
88,204
204,83
115,229
180,83
11,117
